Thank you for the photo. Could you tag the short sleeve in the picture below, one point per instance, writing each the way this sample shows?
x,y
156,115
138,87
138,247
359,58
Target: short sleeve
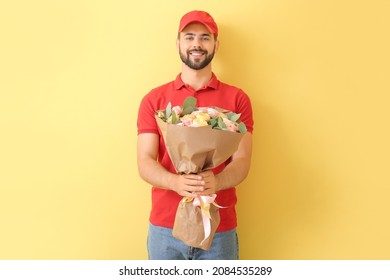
x,y
146,122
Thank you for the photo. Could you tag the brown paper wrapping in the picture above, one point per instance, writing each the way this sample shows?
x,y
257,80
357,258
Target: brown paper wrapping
x,y
188,225
193,150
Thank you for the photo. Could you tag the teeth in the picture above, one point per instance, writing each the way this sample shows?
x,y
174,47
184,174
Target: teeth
x,y
196,53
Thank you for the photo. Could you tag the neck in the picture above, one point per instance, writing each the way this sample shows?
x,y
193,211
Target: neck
x,y
196,78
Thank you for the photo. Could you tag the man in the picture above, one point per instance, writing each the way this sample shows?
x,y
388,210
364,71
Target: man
x,y
197,42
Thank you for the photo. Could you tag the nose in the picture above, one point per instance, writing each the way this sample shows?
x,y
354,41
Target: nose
x,y
197,43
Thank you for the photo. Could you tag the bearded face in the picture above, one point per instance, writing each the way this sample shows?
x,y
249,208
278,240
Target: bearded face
x,y
196,58
196,46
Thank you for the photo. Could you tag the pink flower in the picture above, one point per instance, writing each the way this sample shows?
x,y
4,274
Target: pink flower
x,y
187,119
202,110
232,126
212,112
178,110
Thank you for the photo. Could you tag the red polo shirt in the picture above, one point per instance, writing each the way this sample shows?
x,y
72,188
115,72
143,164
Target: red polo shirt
x,y
216,93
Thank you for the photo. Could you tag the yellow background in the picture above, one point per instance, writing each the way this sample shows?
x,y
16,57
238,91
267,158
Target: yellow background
x,y
72,74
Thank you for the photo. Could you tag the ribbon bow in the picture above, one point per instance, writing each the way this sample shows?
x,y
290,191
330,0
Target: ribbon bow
x,y
204,202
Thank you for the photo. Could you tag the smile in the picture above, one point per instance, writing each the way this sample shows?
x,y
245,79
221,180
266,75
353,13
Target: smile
x,y
196,53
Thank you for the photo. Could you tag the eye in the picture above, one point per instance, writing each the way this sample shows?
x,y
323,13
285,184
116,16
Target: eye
x,y
206,38
189,38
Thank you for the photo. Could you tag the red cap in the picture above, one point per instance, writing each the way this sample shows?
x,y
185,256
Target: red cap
x,y
201,17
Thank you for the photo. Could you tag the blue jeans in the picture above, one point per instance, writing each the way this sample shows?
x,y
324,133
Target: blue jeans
x,y
163,246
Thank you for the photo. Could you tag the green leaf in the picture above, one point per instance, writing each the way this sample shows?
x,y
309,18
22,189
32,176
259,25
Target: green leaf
x,y
188,110
174,117
213,122
234,117
168,110
190,101
242,127
189,105
221,123
229,115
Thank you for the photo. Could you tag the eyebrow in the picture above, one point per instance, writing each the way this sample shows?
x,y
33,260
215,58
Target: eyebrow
x,y
193,34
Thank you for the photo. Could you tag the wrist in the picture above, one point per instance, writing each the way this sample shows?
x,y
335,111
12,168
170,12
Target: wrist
x,y
171,181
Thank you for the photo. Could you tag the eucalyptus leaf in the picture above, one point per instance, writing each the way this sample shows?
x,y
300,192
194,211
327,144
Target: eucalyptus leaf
x,y
189,105
174,117
188,110
234,117
229,115
221,124
168,110
242,127
190,101
213,122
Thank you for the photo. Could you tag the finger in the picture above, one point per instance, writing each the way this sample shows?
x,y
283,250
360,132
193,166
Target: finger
x,y
196,189
189,194
208,177
196,182
193,177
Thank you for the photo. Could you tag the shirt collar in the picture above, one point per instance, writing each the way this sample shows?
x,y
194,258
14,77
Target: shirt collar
x,y
213,83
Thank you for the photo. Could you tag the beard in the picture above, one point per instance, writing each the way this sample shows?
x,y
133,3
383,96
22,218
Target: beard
x,y
197,64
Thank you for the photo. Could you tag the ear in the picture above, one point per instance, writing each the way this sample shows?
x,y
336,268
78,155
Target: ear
x,y
216,45
177,45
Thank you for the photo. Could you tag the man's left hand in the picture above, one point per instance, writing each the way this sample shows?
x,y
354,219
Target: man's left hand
x,y
210,183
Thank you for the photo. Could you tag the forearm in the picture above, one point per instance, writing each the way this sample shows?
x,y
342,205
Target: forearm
x,y
155,174
237,170
233,174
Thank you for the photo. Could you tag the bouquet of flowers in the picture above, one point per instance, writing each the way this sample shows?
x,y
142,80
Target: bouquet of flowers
x,y
198,139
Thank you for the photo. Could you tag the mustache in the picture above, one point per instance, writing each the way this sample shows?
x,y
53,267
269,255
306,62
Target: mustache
x,y
197,50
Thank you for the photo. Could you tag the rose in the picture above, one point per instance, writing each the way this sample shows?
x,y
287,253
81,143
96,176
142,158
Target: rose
x,y
195,119
213,113
202,116
178,110
232,126
186,120
199,121
189,115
